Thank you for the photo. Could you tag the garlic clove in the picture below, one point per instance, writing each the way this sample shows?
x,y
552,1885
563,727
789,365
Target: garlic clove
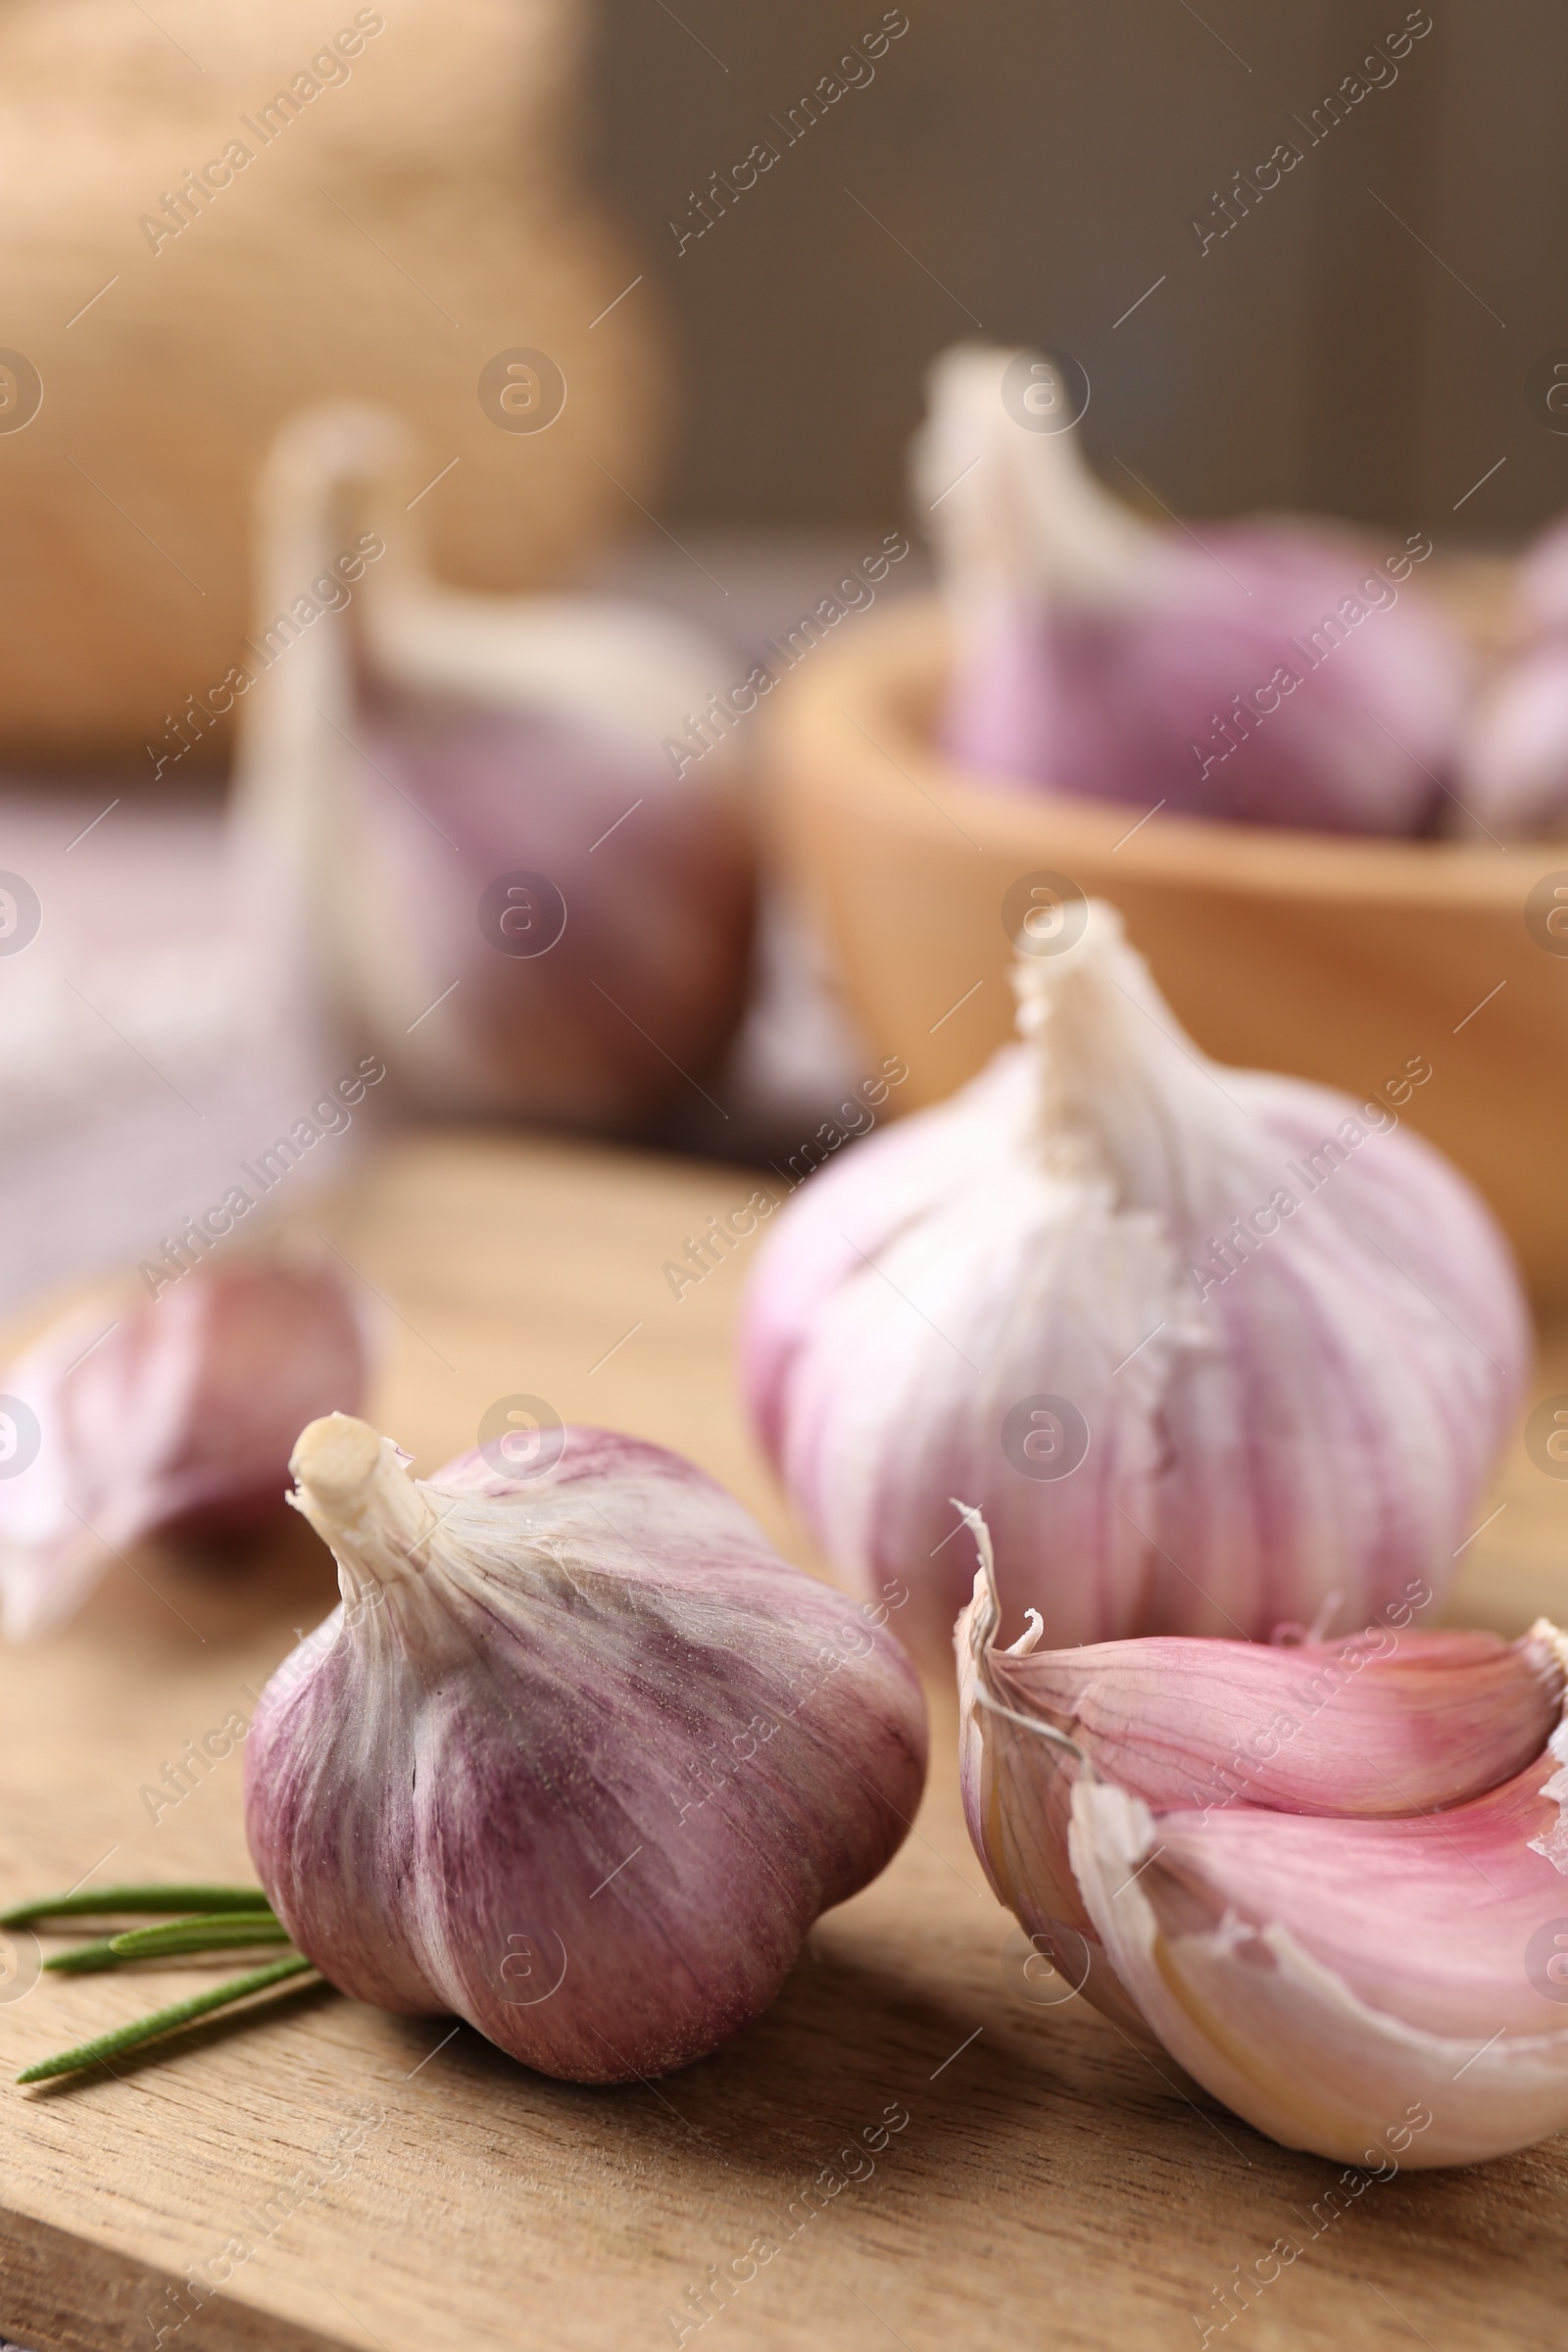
x,y
1271,674
171,1414
1164,1830
1339,1983
1274,1343
1426,1917
1386,1722
579,1759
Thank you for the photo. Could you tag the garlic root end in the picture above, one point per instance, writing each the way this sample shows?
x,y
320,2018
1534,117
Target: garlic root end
x,y
335,1457
357,1495
1551,1637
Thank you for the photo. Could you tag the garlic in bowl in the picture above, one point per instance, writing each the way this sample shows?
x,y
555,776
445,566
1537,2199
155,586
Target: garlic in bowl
x,y
1266,669
1434,969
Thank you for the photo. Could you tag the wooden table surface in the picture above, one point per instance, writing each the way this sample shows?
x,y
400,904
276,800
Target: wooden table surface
x,y
399,2183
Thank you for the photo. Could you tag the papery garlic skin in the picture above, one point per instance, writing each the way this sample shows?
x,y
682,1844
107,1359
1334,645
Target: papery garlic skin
x,y
1016,1778
1099,654
1327,1965
171,1414
1321,1418
580,1759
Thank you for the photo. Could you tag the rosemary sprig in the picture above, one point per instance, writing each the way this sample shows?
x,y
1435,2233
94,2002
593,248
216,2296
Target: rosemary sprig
x,y
209,1918
163,2021
110,1903
203,1931
207,1932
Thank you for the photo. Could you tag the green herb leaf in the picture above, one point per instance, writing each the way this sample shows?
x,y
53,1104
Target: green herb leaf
x,y
207,1932
164,2021
204,1932
110,1903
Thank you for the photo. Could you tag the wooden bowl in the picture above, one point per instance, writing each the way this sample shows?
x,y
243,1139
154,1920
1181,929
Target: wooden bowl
x,y
1344,960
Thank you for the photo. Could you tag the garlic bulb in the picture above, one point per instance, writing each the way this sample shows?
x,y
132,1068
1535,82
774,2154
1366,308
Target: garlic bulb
x,y
1513,776
1330,1879
580,1759
1261,671
462,815
135,1415
1205,1344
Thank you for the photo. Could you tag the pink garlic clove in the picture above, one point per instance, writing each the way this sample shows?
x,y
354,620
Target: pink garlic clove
x,y
1426,1917
1260,672
580,1759
1346,1986
1383,1722
171,1414
1190,1831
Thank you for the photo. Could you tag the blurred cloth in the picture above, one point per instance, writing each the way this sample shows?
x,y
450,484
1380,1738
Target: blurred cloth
x,y
143,1054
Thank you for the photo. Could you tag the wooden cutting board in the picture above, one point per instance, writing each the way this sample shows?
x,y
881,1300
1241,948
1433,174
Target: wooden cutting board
x,y
373,2181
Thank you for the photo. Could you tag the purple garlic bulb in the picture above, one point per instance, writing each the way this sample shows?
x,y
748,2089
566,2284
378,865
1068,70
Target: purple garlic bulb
x,y
1513,777
1211,1350
1265,672
578,1759
595,917
463,820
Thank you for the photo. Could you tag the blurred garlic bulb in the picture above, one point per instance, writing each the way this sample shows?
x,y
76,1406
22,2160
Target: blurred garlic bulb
x,y
1265,673
1329,1878
580,1759
1513,776
463,812
133,1416
1205,1344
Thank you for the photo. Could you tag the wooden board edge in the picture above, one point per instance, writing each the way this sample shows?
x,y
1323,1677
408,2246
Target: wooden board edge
x,y
60,2293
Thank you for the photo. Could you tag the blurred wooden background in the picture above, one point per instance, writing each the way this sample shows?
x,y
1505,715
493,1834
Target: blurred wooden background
x,y
1033,168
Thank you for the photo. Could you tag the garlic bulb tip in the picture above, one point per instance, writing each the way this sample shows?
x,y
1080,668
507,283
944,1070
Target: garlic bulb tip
x,y
335,1457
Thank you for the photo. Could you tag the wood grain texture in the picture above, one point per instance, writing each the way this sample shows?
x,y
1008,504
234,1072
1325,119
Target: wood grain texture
x,y
1051,2184
80,2297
